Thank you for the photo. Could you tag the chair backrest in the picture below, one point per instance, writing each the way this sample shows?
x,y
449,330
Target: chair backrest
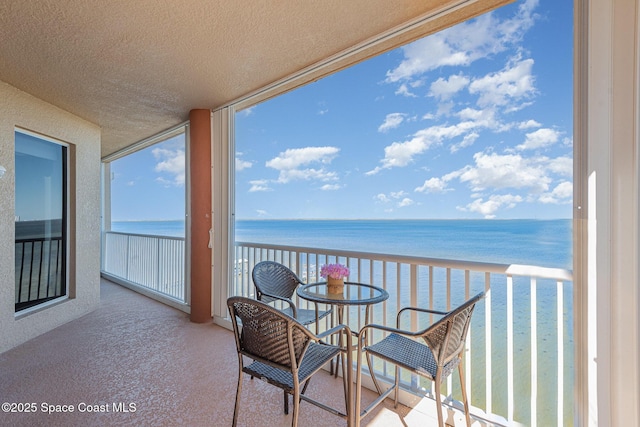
x,y
273,278
267,334
447,336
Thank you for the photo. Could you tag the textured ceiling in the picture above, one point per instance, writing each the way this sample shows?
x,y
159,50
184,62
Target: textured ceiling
x,y
138,67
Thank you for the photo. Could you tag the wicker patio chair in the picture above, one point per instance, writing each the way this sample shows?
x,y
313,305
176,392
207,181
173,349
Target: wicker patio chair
x,y
284,353
435,358
276,282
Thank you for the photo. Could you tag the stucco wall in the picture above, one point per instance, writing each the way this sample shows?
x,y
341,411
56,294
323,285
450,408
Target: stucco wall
x,y
19,109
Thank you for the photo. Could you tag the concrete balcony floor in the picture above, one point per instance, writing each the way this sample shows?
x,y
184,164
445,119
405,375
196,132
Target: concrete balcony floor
x,y
139,355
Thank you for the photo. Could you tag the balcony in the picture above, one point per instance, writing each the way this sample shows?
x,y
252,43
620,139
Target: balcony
x,y
519,357
136,361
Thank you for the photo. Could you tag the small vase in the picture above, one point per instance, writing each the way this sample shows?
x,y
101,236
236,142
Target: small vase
x,y
335,286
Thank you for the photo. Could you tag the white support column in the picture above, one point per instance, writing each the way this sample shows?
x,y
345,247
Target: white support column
x,y
625,343
607,295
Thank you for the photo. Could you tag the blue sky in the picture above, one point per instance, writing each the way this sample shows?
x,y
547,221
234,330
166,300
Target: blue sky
x,y
472,122
149,184
38,178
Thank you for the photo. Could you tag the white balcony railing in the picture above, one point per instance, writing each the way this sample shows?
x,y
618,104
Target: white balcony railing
x,y
154,263
519,356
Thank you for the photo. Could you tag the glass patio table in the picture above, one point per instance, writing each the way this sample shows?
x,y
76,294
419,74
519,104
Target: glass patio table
x,y
353,294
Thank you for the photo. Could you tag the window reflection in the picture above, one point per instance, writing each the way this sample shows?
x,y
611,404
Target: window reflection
x,y
40,220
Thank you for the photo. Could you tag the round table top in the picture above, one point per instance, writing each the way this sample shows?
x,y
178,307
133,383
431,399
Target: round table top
x,y
352,294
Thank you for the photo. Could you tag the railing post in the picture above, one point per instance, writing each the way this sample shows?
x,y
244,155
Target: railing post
x,y
560,317
488,343
449,379
157,263
534,354
127,257
510,409
468,355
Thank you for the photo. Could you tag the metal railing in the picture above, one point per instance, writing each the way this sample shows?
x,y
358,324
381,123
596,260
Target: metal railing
x,y
39,271
519,352
156,263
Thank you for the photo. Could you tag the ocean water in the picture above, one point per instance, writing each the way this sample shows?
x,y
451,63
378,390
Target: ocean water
x,y
546,243
173,228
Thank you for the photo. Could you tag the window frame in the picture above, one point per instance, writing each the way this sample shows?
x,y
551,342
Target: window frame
x,y
65,222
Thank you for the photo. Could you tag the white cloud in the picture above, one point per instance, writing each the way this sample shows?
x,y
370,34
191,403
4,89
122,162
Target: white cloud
x,y
528,124
540,138
400,154
564,190
394,195
445,109
259,185
310,174
505,171
330,187
165,182
492,172
381,198
393,120
404,91
397,194
242,164
560,165
247,111
485,116
322,108
171,162
290,162
562,193
503,88
405,202
445,89
464,43
489,207
296,157
433,185
262,212
467,141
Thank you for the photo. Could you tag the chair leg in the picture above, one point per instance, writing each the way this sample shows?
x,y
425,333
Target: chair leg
x,y
438,399
464,395
347,383
395,402
343,364
296,405
306,384
358,392
238,393
373,374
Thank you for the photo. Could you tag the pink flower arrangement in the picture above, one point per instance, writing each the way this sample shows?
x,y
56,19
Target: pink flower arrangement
x,y
335,271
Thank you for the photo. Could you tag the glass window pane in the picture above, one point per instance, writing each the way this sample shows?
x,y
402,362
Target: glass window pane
x,y
40,220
